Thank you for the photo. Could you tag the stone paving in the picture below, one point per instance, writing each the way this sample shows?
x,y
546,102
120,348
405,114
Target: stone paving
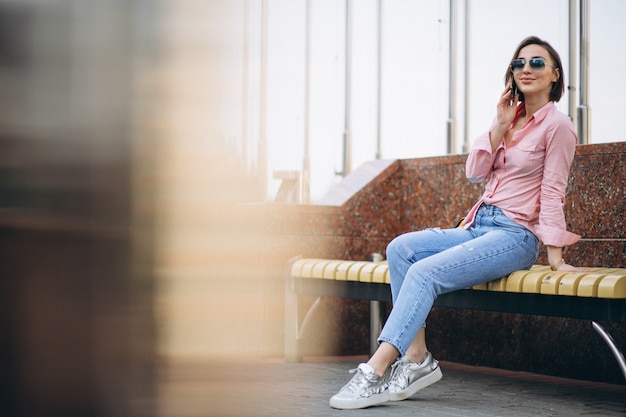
x,y
276,389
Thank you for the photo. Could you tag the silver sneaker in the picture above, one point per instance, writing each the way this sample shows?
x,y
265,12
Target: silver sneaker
x,y
365,389
409,377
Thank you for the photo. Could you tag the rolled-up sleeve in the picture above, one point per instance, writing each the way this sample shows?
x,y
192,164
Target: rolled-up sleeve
x,y
480,160
560,149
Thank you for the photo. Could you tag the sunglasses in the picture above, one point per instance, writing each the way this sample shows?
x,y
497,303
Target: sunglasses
x,y
535,63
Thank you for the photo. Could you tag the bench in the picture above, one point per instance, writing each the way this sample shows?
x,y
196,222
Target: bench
x,y
597,294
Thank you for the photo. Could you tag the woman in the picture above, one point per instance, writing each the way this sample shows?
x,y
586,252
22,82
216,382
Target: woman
x,y
525,158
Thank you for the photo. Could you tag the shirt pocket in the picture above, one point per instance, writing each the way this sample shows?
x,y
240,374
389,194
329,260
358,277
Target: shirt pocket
x,y
530,155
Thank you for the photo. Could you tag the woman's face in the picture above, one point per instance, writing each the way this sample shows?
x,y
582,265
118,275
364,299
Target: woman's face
x,y
535,81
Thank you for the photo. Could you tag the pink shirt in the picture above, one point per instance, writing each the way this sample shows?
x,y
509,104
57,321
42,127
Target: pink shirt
x,y
527,179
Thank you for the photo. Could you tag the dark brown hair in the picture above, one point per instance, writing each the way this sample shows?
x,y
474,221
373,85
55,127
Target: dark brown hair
x,y
558,87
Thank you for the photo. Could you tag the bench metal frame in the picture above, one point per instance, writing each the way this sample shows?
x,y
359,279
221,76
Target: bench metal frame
x,y
575,307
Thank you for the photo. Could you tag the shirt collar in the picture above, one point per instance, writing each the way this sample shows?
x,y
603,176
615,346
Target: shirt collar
x,y
543,112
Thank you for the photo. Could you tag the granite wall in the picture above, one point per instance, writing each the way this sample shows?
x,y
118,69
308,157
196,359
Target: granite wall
x,y
384,198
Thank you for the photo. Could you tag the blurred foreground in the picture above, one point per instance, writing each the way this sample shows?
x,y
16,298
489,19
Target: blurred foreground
x,y
124,241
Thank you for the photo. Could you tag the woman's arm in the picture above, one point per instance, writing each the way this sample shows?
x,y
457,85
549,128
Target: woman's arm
x,y
561,146
481,158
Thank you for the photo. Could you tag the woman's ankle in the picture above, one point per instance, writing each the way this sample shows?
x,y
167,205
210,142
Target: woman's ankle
x,y
417,357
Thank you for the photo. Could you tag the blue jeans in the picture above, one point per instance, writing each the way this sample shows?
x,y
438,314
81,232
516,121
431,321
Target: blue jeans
x,y
425,264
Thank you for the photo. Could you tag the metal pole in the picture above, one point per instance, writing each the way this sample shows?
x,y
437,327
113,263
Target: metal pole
x,y
451,123
573,56
246,84
583,106
262,150
379,86
347,134
306,163
619,356
377,316
466,71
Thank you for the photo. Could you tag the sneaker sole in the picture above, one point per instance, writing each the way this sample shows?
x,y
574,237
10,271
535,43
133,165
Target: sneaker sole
x,y
344,404
420,384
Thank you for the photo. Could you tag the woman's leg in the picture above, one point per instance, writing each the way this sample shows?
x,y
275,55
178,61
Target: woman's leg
x,y
386,354
489,256
406,249
499,247
417,349
402,253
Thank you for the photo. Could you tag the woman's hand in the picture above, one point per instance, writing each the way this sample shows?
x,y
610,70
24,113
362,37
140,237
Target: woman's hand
x,y
506,110
568,268
556,261
507,107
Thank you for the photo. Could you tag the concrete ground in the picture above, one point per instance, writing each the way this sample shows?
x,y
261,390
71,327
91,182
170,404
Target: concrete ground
x,y
274,388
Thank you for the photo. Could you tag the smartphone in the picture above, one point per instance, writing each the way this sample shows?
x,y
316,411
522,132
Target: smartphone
x,y
513,91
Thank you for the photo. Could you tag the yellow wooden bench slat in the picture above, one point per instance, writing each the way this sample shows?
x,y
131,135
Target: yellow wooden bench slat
x,y
354,272
330,272
497,285
569,284
551,281
296,268
381,274
539,279
515,281
588,285
367,272
341,273
373,272
308,268
531,283
612,286
317,270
